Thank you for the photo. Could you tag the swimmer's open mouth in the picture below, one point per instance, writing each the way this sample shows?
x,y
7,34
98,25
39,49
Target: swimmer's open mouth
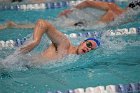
x,y
83,51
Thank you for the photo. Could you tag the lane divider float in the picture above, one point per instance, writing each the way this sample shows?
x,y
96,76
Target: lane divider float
x,y
120,88
47,5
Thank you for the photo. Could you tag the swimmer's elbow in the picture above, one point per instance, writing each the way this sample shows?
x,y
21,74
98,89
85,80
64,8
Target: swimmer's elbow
x,y
44,24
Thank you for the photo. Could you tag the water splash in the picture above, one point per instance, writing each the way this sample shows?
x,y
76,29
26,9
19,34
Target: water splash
x,y
18,61
89,18
128,17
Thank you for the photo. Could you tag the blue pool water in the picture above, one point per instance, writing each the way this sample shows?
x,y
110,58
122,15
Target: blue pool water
x,y
116,61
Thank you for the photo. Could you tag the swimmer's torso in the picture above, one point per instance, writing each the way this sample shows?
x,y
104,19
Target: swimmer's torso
x,y
53,53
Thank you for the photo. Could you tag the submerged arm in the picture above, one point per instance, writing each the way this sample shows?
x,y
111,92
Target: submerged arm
x,y
88,4
93,4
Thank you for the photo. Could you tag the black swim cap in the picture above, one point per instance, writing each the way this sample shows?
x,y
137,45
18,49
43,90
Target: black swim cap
x,y
134,4
80,23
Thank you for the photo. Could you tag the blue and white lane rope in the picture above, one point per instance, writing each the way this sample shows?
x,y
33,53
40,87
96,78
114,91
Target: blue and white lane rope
x,y
118,32
49,5
12,43
121,88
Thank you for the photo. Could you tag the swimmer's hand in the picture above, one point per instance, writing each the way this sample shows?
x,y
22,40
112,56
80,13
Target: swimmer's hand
x,y
27,48
11,24
66,12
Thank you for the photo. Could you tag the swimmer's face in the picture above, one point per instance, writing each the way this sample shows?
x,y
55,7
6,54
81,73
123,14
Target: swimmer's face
x,y
86,46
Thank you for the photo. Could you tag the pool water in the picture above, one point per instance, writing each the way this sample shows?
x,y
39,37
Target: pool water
x,y
117,61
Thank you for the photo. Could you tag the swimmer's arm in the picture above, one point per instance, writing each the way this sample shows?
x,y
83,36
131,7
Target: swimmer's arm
x,y
25,26
11,24
88,4
94,4
2,27
57,37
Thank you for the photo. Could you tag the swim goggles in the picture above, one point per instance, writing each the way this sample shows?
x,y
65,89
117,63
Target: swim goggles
x,y
89,44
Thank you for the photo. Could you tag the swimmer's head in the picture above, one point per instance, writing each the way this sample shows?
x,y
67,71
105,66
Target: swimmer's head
x,y
134,4
88,45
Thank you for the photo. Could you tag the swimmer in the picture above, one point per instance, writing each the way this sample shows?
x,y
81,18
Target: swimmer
x,y
112,10
11,24
60,45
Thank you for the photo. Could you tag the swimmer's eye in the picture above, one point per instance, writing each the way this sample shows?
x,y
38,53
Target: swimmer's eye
x,y
89,44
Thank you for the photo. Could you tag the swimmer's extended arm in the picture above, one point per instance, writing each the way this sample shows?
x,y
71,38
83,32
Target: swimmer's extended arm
x,y
9,24
94,4
2,27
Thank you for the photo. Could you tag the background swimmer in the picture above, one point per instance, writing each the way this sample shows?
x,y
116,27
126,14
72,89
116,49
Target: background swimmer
x,y
112,11
11,24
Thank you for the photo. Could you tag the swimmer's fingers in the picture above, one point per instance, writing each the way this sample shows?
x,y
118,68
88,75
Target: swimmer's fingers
x,y
28,48
24,50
